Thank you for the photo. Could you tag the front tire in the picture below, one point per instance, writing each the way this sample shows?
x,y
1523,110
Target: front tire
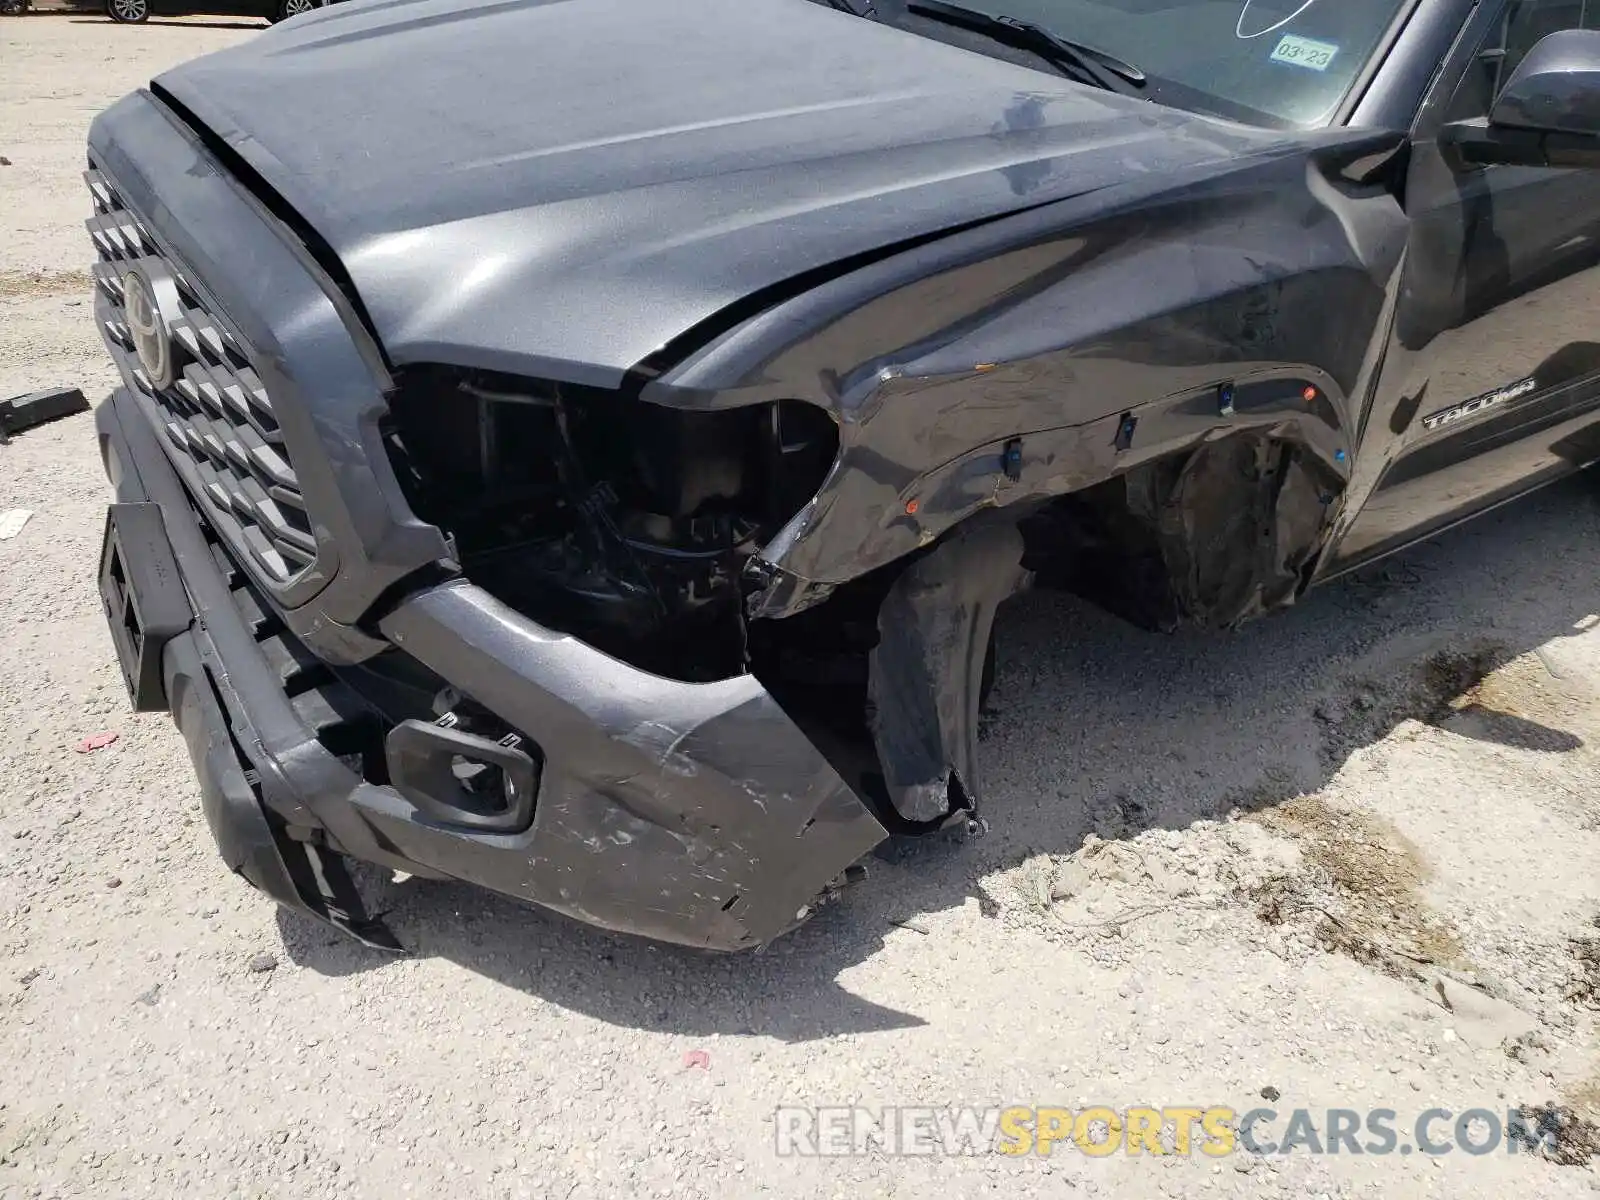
x,y
293,8
128,12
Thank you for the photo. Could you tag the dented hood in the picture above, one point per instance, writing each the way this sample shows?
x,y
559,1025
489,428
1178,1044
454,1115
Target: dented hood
x,y
561,187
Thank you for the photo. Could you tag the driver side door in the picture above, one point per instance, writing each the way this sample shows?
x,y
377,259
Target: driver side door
x,y
1491,385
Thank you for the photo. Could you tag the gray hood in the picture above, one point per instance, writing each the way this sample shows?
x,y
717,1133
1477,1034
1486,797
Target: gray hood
x,y
560,187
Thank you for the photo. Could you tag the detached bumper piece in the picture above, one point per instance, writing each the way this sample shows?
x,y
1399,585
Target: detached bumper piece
x,y
690,813
170,662
35,408
143,597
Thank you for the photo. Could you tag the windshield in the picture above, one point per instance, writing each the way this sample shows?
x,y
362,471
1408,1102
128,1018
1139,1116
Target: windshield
x,y
1289,61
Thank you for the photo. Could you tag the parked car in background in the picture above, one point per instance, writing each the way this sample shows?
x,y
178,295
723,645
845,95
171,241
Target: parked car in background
x,y
133,12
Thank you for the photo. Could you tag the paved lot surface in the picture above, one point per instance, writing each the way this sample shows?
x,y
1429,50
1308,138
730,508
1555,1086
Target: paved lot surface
x,y
1346,858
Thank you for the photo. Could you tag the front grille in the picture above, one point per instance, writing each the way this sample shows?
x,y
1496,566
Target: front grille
x,y
217,417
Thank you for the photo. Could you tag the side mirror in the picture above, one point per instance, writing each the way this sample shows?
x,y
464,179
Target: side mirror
x,y
1548,114
1556,88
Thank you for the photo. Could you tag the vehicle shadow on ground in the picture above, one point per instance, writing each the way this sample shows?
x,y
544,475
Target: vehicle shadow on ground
x,y
158,23
788,991
1100,728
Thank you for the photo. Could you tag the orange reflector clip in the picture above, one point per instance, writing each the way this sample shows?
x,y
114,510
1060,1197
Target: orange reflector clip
x,y
1310,394
912,506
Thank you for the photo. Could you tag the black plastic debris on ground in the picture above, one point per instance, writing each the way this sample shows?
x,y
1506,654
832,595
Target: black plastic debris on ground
x,y
35,408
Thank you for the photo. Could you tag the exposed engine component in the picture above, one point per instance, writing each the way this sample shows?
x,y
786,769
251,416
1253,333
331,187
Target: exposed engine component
x,y
612,519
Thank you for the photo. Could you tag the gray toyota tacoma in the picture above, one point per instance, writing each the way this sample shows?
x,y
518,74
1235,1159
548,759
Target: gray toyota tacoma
x,y
578,447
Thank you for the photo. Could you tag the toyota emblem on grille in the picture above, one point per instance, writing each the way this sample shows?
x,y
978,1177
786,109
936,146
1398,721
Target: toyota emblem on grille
x,y
143,290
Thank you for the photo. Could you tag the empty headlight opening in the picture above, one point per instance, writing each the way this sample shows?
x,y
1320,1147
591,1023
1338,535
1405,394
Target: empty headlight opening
x,y
622,522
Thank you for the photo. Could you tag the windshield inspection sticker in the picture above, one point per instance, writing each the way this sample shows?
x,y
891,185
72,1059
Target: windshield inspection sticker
x,y
1304,52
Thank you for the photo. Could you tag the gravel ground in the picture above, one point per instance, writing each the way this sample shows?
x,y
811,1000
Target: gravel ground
x,y
1345,857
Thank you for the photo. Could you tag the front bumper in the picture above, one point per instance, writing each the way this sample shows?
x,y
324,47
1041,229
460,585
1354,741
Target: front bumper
x,y
689,813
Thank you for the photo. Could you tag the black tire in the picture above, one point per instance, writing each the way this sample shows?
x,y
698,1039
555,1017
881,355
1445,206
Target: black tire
x,y
293,8
13,8
128,12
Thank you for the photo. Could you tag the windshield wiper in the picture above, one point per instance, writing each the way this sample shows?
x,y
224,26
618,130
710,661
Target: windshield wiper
x,y
1085,63
868,9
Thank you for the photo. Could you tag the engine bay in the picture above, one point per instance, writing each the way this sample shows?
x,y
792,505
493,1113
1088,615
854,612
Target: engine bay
x,y
621,522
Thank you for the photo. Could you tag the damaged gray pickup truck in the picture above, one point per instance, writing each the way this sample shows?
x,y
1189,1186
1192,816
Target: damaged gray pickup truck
x,y
578,447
